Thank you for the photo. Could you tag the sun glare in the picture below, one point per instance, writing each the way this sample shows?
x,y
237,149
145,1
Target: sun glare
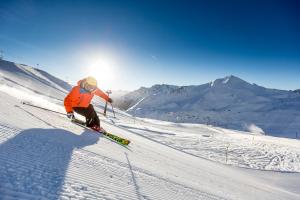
x,y
103,70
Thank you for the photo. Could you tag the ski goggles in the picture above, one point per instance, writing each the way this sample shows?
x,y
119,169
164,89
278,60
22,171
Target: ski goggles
x,y
90,88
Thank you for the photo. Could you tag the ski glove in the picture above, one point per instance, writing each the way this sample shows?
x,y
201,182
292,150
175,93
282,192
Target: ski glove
x,y
70,115
110,100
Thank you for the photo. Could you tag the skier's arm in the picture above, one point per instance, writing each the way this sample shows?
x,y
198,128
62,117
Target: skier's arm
x,y
101,94
68,102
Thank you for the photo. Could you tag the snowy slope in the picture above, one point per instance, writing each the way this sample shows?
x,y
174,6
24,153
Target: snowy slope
x,y
236,148
36,81
26,77
44,156
228,102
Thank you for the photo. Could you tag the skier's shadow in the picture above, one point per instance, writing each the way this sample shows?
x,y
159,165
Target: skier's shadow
x,y
36,160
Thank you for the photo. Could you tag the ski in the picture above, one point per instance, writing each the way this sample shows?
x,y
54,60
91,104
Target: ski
x,y
112,137
119,140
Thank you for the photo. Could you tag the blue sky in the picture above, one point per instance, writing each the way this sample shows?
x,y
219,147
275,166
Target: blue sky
x,y
128,44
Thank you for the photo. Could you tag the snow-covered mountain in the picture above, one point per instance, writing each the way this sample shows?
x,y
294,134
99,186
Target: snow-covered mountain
x,y
228,102
118,93
45,156
35,80
297,91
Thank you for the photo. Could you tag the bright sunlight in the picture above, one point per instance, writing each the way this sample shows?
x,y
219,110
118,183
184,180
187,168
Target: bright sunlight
x,y
103,68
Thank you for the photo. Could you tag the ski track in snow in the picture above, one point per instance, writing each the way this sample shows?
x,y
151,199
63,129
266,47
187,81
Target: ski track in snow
x,y
44,156
34,165
245,151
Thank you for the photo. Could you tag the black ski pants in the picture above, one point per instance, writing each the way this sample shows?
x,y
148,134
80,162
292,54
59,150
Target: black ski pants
x,y
90,115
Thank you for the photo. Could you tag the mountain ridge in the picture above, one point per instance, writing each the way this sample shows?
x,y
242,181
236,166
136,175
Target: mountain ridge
x,y
229,102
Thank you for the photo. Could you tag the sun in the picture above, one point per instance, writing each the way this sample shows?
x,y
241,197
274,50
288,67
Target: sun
x,y
103,70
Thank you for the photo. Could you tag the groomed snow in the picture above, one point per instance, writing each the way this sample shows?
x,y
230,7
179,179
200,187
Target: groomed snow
x,y
237,148
44,156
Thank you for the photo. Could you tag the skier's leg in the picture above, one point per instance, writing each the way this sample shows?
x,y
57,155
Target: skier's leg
x,y
90,115
80,110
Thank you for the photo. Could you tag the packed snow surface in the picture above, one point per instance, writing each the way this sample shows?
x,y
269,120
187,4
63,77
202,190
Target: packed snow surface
x,y
44,156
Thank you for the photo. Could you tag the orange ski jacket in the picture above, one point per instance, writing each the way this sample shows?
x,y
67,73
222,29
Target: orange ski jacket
x,y
79,97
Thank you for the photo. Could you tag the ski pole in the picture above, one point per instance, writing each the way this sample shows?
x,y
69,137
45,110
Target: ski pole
x,y
29,104
112,107
105,108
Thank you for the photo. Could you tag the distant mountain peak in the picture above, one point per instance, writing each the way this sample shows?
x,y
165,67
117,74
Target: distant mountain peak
x,y
231,79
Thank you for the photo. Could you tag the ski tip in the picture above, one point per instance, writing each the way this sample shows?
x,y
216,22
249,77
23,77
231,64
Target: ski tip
x,y
127,142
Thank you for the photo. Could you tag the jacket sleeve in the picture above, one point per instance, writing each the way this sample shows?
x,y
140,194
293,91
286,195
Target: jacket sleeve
x,y
101,94
68,102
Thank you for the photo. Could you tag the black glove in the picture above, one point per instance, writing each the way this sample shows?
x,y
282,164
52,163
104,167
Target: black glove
x,y
109,100
70,115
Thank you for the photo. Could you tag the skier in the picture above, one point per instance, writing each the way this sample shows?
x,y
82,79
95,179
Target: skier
x,y
79,100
